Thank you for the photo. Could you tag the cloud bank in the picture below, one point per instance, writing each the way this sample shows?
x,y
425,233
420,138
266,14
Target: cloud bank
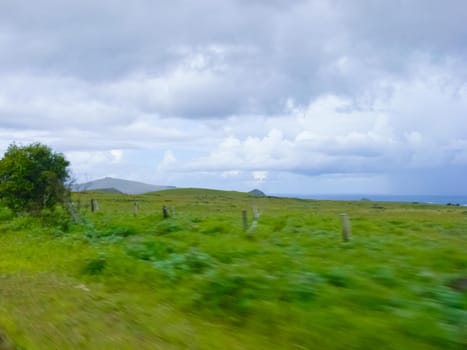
x,y
307,96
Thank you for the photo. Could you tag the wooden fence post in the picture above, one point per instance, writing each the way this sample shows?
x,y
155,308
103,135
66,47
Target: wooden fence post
x,y
5,342
165,213
135,208
245,220
92,206
346,229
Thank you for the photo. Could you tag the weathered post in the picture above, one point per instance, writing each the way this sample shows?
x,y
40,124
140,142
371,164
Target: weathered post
x,y
135,208
74,215
165,213
256,213
346,229
92,206
245,220
5,342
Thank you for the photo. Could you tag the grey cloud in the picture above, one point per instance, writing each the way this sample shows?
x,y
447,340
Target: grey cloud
x,y
299,49
425,25
375,84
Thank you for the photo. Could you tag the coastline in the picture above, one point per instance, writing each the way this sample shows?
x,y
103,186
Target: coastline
x,y
460,200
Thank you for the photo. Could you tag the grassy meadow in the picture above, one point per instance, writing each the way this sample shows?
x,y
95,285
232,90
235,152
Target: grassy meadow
x,y
196,280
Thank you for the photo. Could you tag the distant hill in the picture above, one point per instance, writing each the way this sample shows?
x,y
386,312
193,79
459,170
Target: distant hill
x,y
108,190
109,184
257,193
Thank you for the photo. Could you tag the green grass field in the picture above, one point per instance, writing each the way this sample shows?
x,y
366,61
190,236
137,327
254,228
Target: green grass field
x,y
197,280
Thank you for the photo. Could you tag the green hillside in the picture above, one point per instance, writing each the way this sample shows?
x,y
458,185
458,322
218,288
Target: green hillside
x,y
125,278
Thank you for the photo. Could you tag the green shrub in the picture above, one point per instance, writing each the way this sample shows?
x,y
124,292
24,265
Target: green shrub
x,y
213,228
22,222
168,226
57,217
5,214
449,298
149,250
95,266
223,291
302,287
198,261
196,219
111,234
338,277
384,276
177,265
120,231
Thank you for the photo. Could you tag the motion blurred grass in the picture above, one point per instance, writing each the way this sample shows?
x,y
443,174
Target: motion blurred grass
x,y
198,281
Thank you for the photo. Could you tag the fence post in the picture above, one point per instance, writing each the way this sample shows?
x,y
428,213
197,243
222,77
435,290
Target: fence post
x,y
92,206
5,342
346,229
245,220
165,214
135,208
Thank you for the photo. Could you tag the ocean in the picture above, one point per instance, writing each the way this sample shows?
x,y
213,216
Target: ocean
x,y
430,199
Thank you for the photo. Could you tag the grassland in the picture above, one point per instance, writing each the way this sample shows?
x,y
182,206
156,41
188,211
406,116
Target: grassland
x,y
197,280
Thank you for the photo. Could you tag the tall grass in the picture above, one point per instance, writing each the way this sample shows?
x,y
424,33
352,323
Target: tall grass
x,y
197,280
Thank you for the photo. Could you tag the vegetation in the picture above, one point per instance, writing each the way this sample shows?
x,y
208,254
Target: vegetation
x,y
198,280
32,178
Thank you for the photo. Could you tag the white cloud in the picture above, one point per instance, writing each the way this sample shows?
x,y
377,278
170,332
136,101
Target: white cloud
x,y
168,161
260,176
117,155
231,173
296,89
91,159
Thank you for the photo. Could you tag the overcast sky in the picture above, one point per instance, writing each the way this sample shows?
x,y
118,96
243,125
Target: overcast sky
x,y
289,96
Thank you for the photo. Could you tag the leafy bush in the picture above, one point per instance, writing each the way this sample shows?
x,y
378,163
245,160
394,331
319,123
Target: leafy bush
x,y
214,227
226,290
149,250
196,220
384,276
22,222
178,265
302,287
120,231
57,217
33,178
5,214
95,266
167,226
338,277
112,234
449,298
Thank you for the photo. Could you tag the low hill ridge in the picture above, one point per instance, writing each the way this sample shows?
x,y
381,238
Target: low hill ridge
x,y
120,185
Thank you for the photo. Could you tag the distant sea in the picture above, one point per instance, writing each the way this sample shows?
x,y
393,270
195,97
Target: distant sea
x,y
430,199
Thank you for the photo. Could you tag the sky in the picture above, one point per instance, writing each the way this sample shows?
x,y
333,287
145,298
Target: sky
x,y
288,96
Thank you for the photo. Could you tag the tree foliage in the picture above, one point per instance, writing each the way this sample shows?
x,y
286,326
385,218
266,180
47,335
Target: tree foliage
x,y
33,178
